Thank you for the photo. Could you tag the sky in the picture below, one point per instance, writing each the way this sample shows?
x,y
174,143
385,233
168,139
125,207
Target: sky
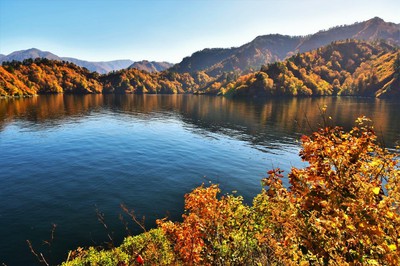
x,y
168,30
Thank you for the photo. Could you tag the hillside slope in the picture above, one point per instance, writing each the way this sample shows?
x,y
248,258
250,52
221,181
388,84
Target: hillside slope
x,y
41,76
46,76
274,47
341,68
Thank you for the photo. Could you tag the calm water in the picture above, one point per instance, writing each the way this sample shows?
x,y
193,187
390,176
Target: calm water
x,y
63,157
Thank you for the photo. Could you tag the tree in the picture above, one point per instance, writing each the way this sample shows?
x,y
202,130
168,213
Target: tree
x,y
346,203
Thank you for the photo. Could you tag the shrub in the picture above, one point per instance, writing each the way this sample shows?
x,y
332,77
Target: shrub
x,y
152,246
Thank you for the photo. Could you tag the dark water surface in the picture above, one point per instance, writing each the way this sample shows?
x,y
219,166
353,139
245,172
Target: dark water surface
x,y
62,157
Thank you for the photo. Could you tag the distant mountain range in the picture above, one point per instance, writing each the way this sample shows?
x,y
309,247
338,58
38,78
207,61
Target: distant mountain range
x,y
275,47
99,67
247,58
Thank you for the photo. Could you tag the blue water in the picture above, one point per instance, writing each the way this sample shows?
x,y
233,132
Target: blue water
x,y
63,157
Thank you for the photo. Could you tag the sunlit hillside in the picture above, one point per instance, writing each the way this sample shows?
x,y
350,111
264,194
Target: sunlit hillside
x,y
341,68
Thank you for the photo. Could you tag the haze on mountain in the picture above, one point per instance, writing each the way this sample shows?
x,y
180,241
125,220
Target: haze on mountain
x,y
276,47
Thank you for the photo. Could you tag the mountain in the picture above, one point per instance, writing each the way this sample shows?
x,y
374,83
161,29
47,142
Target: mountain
x,y
203,59
350,67
360,59
100,67
275,47
30,53
251,56
151,66
370,30
244,59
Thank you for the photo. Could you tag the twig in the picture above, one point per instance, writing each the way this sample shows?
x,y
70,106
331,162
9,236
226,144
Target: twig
x,y
69,255
100,217
308,122
133,217
322,112
40,258
50,241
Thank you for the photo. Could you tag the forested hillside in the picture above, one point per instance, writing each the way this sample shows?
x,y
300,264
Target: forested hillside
x,y
46,76
275,47
140,82
341,68
42,76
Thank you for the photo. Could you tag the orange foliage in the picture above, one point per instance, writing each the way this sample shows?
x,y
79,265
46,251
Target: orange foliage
x,y
362,68
345,204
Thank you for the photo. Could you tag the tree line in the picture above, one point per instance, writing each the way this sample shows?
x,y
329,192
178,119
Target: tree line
x,y
347,67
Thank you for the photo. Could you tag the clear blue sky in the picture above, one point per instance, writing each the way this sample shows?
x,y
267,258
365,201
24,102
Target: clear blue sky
x,y
165,30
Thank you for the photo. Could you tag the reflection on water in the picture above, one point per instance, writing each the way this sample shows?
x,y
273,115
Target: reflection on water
x,y
257,121
63,156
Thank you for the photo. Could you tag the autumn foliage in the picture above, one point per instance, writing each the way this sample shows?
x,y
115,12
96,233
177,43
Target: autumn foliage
x,y
345,204
43,76
347,67
342,209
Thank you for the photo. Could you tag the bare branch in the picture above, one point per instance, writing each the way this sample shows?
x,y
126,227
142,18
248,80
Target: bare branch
x,y
40,258
132,214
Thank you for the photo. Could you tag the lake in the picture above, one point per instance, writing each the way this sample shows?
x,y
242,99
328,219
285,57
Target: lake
x,y
62,157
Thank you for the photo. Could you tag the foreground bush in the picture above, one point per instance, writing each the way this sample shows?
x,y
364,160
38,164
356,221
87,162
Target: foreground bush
x,y
343,209
151,245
